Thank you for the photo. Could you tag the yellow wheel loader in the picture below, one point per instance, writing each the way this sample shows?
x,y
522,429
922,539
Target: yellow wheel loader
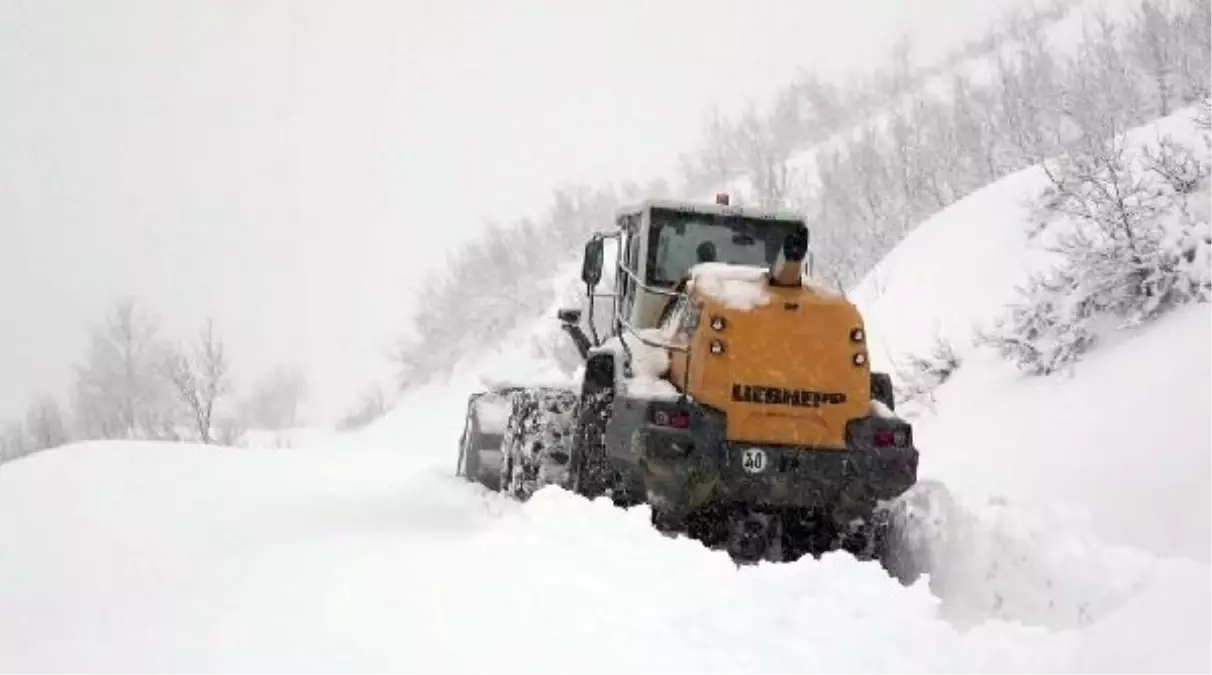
x,y
727,391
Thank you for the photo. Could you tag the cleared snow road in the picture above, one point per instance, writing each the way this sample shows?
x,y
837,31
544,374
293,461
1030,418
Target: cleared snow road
x,y
154,557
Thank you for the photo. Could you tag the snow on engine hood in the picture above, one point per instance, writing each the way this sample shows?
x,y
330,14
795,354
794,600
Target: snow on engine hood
x,y
736,286
744,286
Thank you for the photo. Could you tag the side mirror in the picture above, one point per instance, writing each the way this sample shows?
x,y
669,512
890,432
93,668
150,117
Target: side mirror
x,y
591,266
570,315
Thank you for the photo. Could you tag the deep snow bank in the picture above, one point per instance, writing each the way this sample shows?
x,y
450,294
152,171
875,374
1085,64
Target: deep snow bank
x,y
352,558
154,557
1123,439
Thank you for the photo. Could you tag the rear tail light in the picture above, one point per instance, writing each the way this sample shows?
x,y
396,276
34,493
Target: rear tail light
x,y
887,438
676,419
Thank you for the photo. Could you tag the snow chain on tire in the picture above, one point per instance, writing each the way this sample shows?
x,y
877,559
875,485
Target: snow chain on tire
x,y
538,440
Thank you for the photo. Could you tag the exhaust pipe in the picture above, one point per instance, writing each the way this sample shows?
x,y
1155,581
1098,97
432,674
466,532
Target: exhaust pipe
x,y
787,268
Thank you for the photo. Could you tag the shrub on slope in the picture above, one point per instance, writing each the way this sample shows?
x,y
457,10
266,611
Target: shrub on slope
x,y
1126,221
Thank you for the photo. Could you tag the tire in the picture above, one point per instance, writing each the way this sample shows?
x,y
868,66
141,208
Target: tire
x,y
538,440
590,473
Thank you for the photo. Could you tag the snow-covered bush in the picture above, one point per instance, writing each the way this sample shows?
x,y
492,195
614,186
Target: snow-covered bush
x,y
917,376
1130,234
1046,329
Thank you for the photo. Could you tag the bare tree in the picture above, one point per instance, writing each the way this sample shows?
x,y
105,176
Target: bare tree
x,y
718,156
1028,97
119,390
765,158
972,140
200,376
45,424
1154,47
1102,95
1194,28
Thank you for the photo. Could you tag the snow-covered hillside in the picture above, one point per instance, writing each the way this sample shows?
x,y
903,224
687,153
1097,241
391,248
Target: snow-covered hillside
x,y
1123,439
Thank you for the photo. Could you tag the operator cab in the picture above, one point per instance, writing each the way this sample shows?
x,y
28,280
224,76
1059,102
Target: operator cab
x,y
661,240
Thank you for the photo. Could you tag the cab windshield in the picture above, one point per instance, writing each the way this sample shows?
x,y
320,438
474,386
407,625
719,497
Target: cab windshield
x,y
681,240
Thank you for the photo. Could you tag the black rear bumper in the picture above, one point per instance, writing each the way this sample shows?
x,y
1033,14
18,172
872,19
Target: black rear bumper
x,y
692,466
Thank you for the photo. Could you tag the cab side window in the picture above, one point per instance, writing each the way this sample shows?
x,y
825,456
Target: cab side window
x,y
631,260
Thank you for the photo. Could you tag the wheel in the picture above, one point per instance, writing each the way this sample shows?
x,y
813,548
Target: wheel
x,y
590,472
538,440
588,468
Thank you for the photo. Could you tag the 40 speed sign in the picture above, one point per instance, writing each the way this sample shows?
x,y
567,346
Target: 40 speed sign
x,y
753,460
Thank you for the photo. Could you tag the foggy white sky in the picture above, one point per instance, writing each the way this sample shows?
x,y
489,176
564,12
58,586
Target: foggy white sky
x,y
292,167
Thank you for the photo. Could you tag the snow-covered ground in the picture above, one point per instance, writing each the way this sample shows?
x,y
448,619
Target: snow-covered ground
x,y
370,556
1067,531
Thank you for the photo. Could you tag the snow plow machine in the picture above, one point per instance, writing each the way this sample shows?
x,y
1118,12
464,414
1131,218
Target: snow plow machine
x,y
730,393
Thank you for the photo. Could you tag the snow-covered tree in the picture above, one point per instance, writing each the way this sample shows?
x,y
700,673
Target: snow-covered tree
x,y
1127,253
1127,246
1047,328
200,375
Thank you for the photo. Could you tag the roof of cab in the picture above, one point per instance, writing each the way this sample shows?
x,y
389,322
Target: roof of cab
x,y
709,208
